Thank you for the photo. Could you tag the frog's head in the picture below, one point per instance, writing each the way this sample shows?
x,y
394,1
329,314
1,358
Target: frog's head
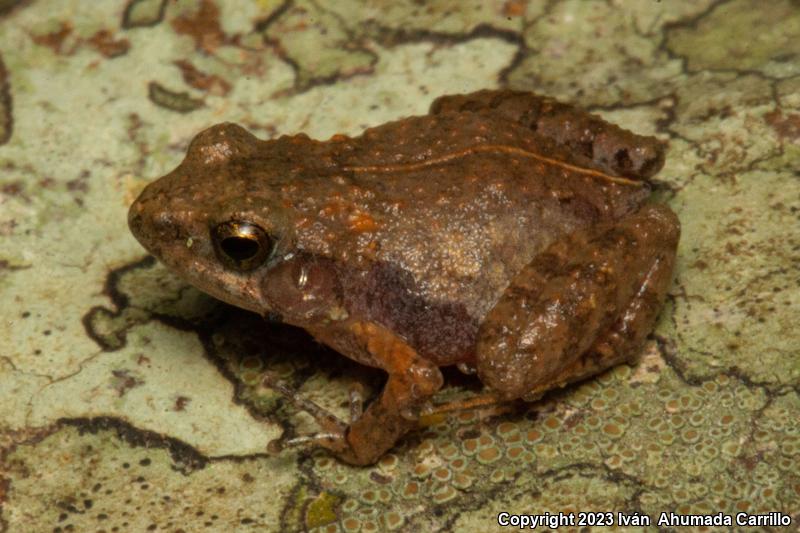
x,y
215,220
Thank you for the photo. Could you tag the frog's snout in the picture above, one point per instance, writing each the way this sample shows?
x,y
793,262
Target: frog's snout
x,y
135,222
137,217
152,221
147,226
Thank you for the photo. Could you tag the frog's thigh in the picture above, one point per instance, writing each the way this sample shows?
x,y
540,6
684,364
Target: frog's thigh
x,y
582,305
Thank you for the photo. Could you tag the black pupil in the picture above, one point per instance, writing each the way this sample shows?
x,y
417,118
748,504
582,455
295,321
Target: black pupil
x,y
239,248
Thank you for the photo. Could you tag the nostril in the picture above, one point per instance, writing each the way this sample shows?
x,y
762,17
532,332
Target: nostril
x,y
165,225
149,224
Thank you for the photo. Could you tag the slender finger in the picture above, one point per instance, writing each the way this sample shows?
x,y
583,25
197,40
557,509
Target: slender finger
x,y
324,418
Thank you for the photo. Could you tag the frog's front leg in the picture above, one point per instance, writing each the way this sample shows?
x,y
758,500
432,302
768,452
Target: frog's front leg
x,y
412,381
585,304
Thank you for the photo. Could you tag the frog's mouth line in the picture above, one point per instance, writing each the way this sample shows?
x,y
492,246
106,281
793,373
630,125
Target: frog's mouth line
x,y
495,148
219,283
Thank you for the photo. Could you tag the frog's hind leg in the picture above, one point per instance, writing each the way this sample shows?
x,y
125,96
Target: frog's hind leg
x,y
583,305
487,404
412,381
622,340
615,150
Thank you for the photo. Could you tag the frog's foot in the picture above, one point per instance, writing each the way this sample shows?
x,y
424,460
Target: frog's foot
x,y
488,404
369,434
583,305
412,381
334,430
616,150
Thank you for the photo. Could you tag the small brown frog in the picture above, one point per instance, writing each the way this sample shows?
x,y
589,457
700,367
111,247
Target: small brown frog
x,y
503,232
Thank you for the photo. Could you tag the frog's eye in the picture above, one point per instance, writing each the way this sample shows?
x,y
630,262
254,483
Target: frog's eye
x,y
241,245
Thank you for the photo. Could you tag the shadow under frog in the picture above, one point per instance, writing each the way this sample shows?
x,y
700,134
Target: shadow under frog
x,y
503,232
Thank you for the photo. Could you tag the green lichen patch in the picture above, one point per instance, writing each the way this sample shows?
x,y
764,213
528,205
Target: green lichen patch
x,y
740,35
731,311
103,482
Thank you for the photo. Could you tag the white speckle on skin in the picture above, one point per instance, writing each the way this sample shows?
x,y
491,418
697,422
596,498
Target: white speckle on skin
x,y
337,313
302,277
217,152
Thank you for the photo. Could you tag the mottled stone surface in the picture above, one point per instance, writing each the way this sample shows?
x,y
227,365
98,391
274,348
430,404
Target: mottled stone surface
x,y
131,401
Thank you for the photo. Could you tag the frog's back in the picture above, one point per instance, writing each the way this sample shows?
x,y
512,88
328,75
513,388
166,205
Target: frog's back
x,y
443,210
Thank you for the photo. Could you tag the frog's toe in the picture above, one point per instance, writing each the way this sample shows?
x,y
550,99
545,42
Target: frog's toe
x,y
330,423
356,397
335,442
334,434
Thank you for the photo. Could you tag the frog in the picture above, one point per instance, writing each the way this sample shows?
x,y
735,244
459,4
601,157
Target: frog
x,y
505,233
